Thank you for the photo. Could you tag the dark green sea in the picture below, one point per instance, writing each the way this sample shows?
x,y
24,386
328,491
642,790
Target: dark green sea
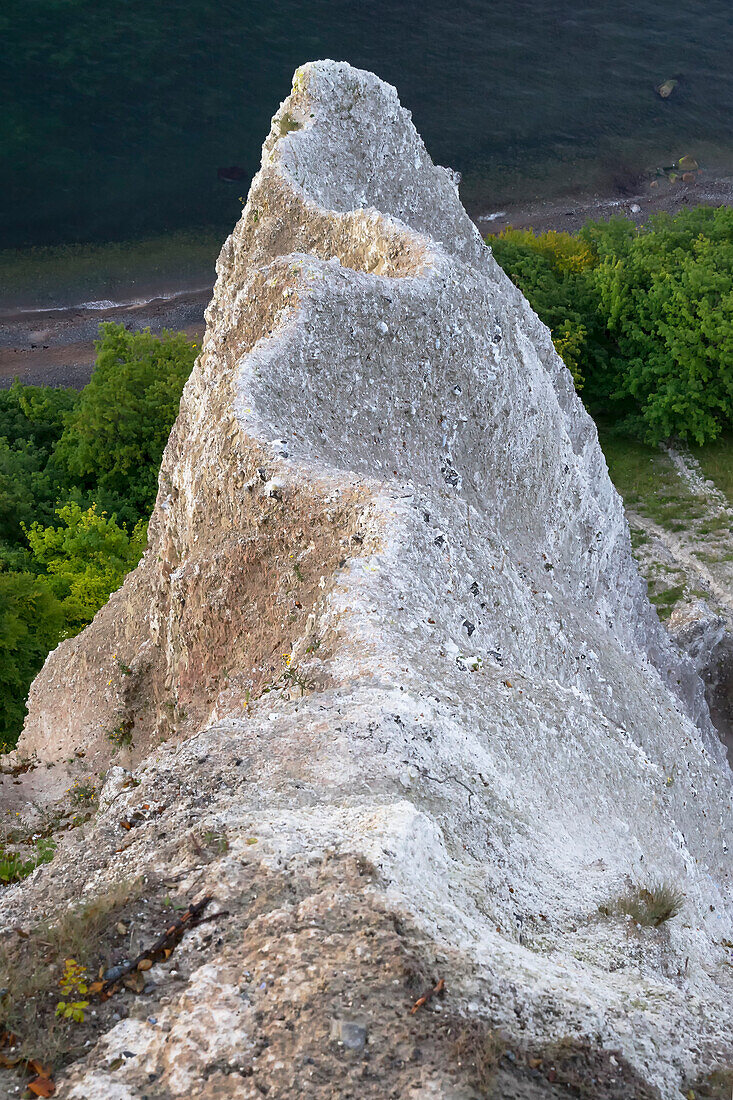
x,y
117,116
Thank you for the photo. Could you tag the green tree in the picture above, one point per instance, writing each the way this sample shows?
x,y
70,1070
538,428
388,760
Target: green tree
x,y
643,316
551,271
86,558
31,423
31,624
113,441
35,414
666,296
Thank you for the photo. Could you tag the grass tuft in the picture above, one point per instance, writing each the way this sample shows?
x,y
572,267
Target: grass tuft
x,y
648,906
32,967
477,1050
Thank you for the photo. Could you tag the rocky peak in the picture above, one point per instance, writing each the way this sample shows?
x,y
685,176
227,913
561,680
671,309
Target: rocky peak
x,y
389,641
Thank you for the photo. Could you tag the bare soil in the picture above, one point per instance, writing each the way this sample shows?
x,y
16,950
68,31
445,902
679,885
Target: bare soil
x,y
56,347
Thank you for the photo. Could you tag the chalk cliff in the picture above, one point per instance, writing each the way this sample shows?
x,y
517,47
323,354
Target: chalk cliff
x,y
389,643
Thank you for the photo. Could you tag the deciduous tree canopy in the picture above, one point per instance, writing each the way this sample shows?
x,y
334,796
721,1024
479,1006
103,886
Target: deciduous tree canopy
x,y
643,316
78,476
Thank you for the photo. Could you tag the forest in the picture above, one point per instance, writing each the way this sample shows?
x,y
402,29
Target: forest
x,y
78,477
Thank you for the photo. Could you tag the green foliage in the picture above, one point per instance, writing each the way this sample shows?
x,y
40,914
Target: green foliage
x,y
13,868
34,414
31,623
86,558
551,270
113,441
73,982
648,481
31,423
78,476
645,312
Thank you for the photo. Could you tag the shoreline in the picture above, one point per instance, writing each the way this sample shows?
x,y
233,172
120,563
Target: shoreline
x,y
568,214
55,345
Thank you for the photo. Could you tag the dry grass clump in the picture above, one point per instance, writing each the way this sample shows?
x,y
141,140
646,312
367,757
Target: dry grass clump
x,y
583,1070
648,906
477,1050
32,966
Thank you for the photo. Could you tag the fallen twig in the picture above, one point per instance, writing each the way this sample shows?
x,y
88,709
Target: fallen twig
x,y
162,947
436,991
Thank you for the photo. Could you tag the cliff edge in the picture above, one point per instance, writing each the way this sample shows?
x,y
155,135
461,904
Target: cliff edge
x,y
389,644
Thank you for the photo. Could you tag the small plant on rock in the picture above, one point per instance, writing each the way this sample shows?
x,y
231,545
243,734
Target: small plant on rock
x,y
83,792
216,841
73,984
648,906
58,960
288,124
124,669
121,736
13,868
291,677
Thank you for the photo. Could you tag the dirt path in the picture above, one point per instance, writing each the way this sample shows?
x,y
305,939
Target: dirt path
x,y
699,555
695,573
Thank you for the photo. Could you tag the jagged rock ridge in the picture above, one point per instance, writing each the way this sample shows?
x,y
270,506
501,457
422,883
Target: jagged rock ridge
x,y
381,470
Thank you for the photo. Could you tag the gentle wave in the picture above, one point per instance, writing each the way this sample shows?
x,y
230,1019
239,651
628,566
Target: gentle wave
x,y
106,304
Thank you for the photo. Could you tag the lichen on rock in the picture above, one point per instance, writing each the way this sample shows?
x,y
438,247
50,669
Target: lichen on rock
x,y
378,446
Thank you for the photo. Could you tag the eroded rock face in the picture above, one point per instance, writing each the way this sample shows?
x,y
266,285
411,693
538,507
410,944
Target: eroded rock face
x,y
705,637
381,471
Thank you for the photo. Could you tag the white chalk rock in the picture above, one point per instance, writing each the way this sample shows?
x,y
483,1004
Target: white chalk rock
x,y
502,796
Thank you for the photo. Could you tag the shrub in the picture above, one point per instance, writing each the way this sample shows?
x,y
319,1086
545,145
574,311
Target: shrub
x,y
643,314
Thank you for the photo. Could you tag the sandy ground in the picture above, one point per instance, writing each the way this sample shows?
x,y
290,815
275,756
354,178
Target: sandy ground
x,y
56,347
569,214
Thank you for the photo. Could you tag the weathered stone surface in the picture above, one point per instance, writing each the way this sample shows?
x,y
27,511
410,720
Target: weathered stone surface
x,y
410,800
707,640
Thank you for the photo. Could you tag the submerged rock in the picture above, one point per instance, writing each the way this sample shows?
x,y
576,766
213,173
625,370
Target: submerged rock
x,y
666,88
371,817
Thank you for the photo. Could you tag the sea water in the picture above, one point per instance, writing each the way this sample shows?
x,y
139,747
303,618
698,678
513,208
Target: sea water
x,y
118,115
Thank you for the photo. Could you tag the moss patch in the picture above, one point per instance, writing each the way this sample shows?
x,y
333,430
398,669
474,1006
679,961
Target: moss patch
x,y
648,482
716,462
